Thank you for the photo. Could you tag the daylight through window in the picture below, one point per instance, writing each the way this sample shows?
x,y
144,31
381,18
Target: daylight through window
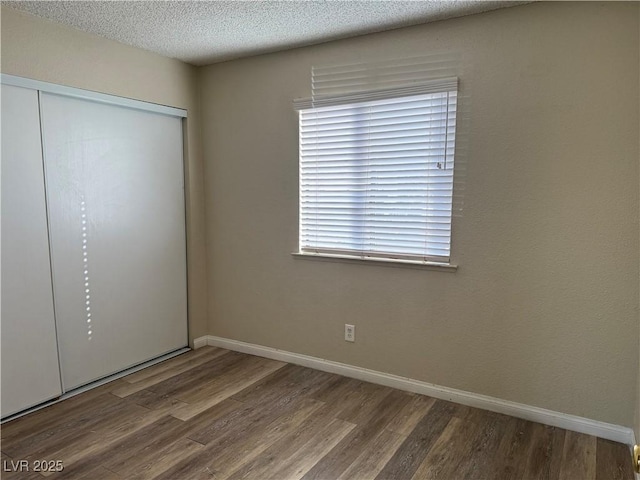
x,y
376,176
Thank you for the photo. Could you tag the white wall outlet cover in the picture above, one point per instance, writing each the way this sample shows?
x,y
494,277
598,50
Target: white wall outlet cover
x,y
349,332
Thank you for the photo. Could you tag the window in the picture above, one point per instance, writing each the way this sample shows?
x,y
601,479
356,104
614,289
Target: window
x,y
376,173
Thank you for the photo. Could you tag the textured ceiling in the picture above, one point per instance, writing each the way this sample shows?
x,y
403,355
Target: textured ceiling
x,y
204,32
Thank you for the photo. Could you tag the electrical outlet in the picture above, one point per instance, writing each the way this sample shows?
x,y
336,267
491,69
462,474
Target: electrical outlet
x,y
349,332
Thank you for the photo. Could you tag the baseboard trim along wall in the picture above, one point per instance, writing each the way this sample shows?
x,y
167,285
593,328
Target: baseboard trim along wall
x,y
608,431
201,342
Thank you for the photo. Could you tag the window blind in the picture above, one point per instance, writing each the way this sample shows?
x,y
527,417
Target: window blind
x,y
376,172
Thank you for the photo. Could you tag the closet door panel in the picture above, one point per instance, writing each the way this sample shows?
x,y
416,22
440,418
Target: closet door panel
x,y
30,372
116,208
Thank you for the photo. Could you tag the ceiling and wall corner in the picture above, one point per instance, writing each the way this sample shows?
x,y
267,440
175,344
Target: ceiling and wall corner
x,y
205,32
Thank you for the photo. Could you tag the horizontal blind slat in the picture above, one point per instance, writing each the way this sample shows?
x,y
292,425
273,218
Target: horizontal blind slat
x,y
409,124
393,225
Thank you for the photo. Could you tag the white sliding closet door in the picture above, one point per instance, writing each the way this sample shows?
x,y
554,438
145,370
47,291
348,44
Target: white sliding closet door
x,y
114,179
30,373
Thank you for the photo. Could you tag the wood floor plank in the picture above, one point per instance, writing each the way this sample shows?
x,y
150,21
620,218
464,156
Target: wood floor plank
x,y
513,450
238,371
220,459
155,402
411,414
416,446
345,398
126,448
104,406
282,377
233,419
69,472
455,442
286,381
337,394
557,448
335,384
191,388
483,456
309,454
289,444
578,457
101,473
133,447
242,420
362,400
139,448
177,385
373,459
294,465
94,473
344,454
227,432
142,442
188,359
285,388
253,445
56,414
613,461
159,460
167,381
222,388
539,464
96,440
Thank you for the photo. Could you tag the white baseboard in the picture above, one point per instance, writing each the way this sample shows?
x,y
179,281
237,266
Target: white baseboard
x,y
609,431
200,342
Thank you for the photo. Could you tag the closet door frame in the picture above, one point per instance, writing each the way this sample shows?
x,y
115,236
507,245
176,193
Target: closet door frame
x,y
114,100
90,95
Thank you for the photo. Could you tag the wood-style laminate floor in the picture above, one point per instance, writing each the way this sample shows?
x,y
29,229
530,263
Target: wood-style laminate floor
x,y
216,414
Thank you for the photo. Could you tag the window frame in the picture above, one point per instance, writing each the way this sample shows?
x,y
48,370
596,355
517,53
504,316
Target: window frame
x,y
439,86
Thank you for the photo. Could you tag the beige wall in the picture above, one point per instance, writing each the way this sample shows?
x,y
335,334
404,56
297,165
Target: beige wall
x,y
42,50
637,412
544,307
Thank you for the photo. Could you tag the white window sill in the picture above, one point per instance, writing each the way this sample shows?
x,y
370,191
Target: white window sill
x,y
390,262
